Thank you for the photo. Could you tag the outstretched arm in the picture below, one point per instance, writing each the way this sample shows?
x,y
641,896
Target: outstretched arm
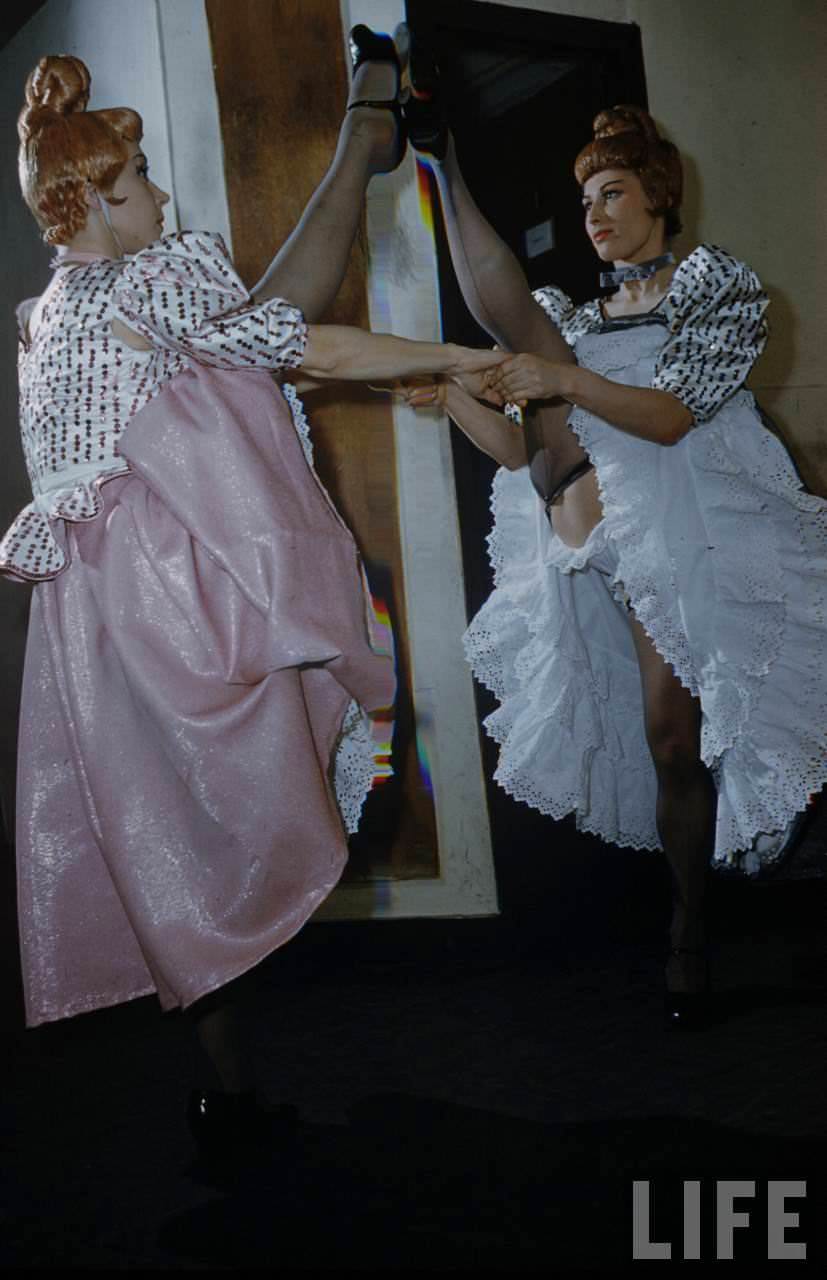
x,y
644,412
338,352
489,429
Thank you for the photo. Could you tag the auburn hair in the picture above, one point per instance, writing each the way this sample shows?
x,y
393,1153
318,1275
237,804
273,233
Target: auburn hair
x,y
627,137
63,146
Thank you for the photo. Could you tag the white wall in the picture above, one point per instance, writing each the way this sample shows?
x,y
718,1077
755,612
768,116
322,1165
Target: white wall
x,y
121,43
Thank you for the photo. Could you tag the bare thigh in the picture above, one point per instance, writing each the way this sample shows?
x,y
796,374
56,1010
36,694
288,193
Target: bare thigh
x,y
577,511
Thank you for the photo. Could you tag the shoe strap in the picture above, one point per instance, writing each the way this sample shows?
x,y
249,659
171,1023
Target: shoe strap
x,y
381,104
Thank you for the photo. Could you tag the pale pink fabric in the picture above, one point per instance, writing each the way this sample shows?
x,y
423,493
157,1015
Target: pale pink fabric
x,y
186,681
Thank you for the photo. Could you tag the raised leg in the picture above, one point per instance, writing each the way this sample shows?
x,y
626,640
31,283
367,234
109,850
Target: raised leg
x,y
497,294
685,806
492,281
309,268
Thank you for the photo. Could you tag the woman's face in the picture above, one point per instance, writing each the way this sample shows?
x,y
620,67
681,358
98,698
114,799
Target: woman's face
x,y
619,221
139,221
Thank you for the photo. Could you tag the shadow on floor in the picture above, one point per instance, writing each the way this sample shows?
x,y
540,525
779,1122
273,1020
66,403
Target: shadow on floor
x,y
426,1185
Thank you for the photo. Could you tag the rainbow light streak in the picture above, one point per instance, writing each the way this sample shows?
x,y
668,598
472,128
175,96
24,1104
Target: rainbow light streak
x,y
424,765
381,611
381,724
382,720
423,188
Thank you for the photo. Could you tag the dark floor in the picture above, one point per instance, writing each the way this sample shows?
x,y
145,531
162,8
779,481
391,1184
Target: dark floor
x,y
474,1095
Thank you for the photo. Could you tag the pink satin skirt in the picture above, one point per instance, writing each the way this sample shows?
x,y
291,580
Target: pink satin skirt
x,y
186,681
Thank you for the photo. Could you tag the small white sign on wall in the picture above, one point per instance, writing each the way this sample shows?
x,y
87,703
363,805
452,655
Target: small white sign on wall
x,y
539,239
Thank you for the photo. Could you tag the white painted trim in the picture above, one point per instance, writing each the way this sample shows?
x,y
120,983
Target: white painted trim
x,y
194,127
403,295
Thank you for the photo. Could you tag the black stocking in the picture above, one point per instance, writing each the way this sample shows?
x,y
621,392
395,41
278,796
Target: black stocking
x,y
217,1023
309,268
686,805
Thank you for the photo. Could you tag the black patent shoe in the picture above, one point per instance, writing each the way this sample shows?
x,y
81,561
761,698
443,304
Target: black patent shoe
x,y
689,1010
369,46
423,107
234,1131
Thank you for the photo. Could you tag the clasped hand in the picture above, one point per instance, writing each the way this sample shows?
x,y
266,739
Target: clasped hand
x,y
525,377
515,380
426,392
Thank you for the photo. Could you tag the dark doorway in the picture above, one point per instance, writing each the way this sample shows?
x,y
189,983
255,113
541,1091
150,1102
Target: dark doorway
x,y
521,90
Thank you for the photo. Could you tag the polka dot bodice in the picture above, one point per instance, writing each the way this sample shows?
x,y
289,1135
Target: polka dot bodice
x,y
713,328
80,385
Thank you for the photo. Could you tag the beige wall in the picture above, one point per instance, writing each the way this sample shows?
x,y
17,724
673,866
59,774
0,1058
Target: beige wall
x,y
742,89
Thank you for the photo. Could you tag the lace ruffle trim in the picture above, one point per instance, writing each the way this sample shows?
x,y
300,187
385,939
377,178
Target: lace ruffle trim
x,y
555,712
299,417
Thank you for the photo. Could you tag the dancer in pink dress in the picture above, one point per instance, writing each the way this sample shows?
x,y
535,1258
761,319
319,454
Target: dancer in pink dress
x,y
202,658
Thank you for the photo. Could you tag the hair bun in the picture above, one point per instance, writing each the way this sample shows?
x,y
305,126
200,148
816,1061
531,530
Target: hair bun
x,y
626,137
58,85
625,119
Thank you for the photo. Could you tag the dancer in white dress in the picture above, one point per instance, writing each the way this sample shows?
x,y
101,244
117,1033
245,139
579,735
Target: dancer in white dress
x,y
656,633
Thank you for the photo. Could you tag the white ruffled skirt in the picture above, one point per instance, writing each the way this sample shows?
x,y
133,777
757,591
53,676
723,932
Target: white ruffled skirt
x,y
721,555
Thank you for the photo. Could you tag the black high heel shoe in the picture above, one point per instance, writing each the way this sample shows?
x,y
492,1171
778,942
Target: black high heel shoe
x,y
368,46
689,1010
423,107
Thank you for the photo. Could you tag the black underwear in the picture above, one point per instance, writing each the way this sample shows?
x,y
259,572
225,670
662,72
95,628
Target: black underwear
x,y
574,474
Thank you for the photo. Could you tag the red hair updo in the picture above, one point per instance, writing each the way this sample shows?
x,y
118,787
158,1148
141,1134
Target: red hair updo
x,y
63,146
628,138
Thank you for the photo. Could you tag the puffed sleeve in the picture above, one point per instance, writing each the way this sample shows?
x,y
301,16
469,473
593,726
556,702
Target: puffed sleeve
x,y
573,321
557,305
716,319
23,314
183,293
